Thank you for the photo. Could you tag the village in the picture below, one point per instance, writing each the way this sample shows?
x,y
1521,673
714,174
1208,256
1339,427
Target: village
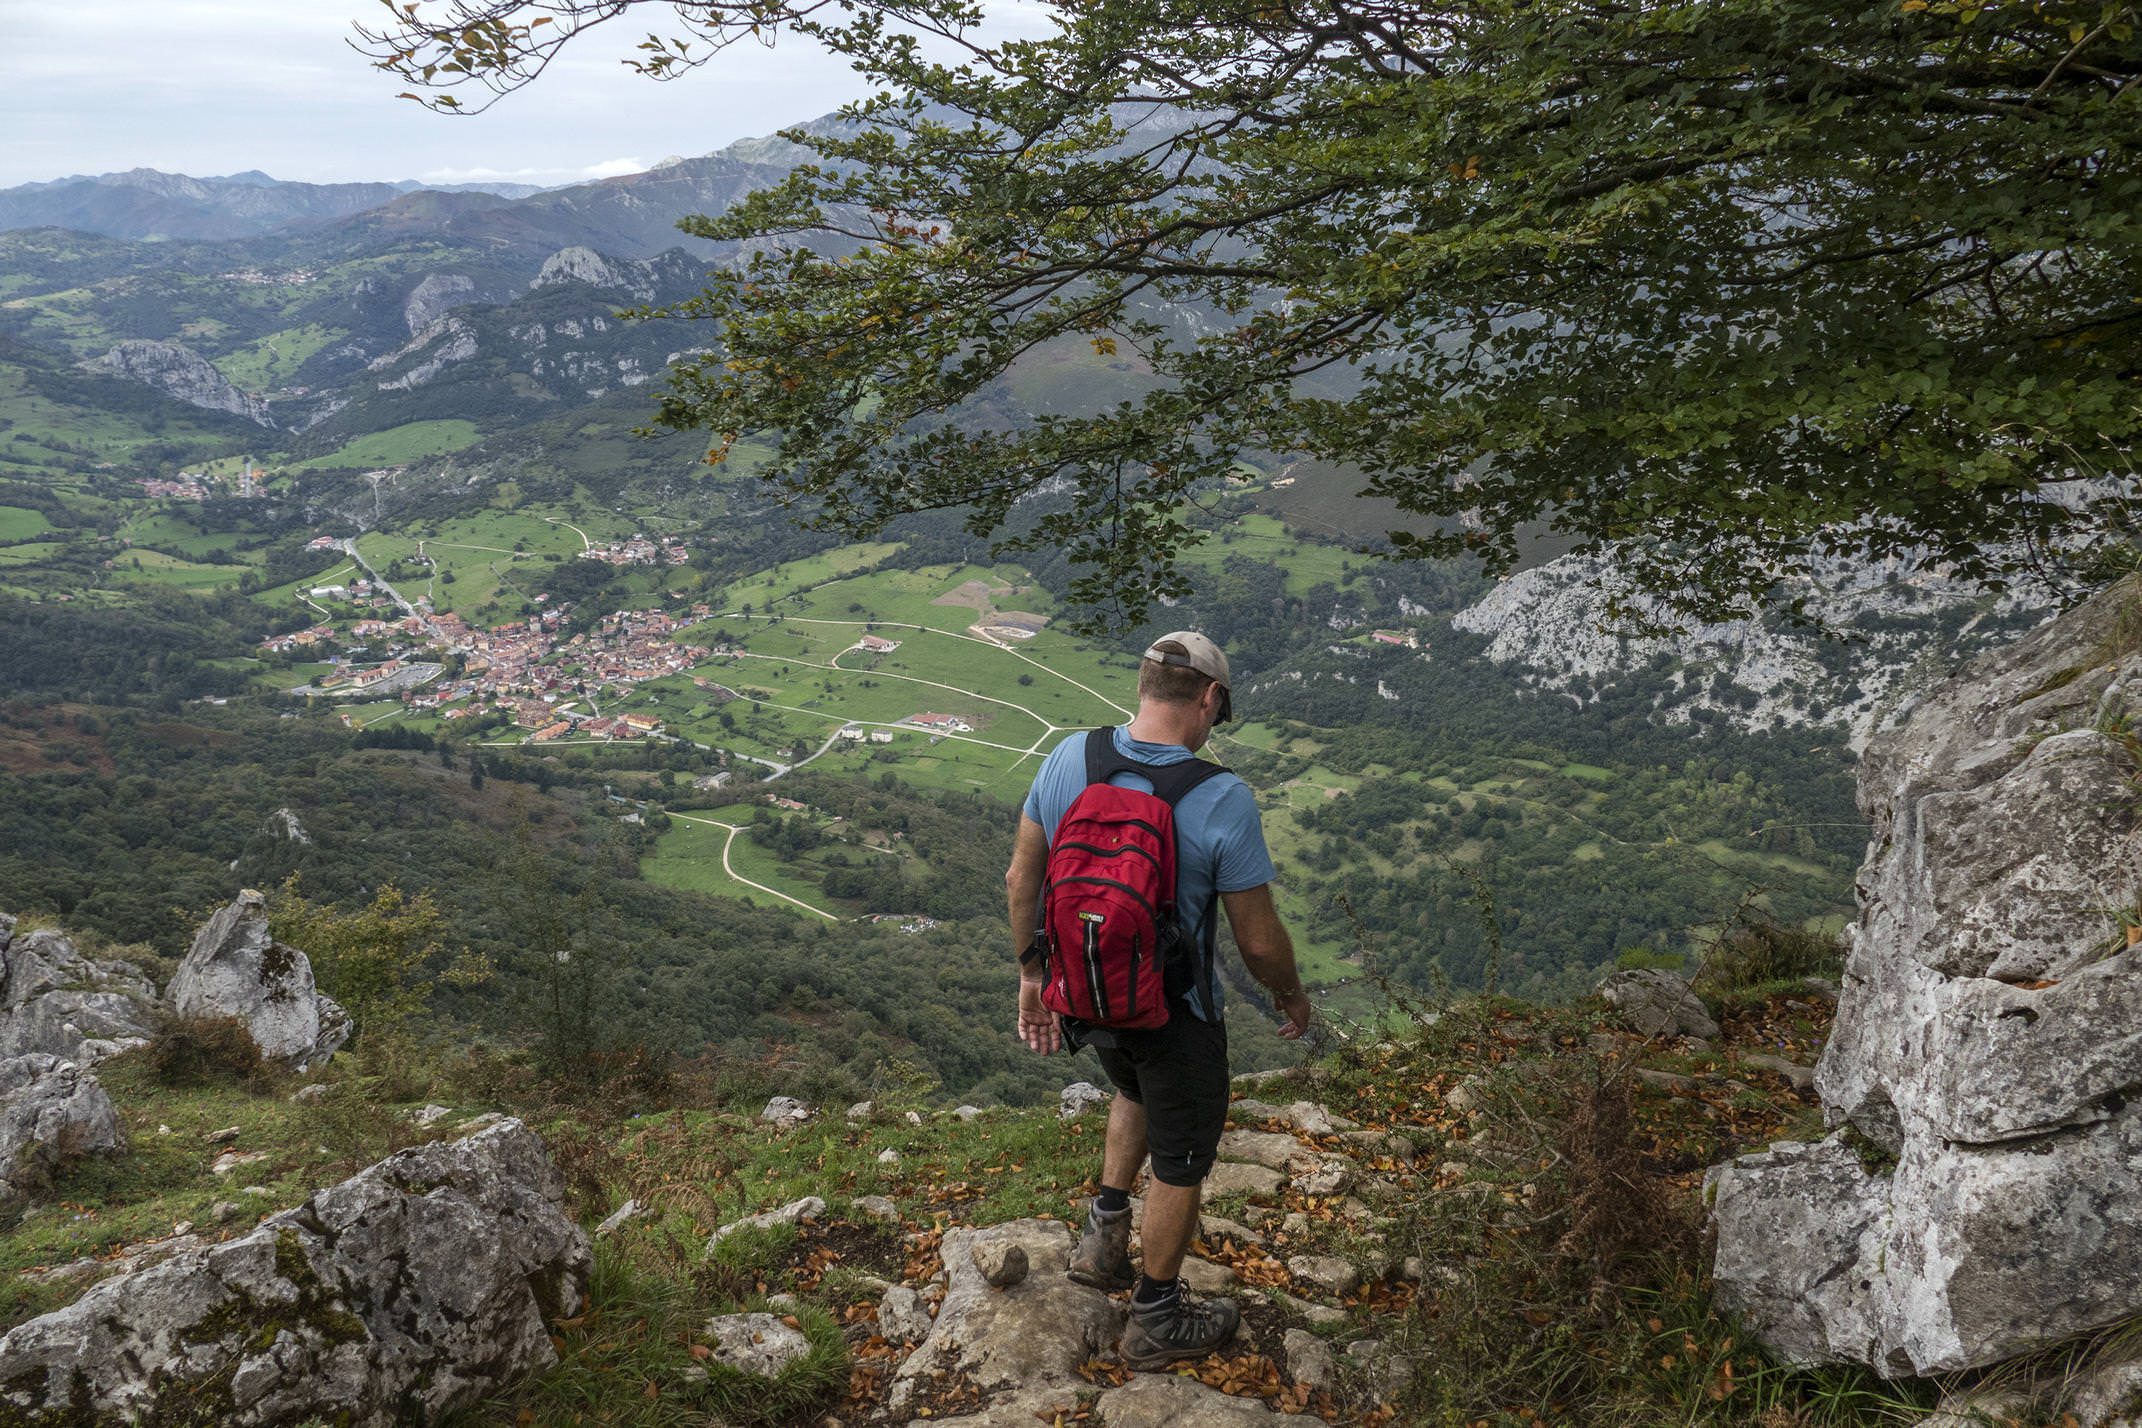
x,y
527,670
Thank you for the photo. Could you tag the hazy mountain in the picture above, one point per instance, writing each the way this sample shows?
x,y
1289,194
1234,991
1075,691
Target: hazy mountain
x,y
150,204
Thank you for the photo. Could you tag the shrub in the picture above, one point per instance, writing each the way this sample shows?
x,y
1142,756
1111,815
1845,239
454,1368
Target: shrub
x,y
1755,954
199,1050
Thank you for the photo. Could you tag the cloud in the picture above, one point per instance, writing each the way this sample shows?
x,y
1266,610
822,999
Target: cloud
x,y
608,168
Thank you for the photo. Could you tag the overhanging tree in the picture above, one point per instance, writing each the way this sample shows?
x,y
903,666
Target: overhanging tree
x,y
1726,287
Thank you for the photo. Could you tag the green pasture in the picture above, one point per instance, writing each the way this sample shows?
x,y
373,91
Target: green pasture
x,y
398,445
18,523
688,856
271,361
1267,540
155,567
792,577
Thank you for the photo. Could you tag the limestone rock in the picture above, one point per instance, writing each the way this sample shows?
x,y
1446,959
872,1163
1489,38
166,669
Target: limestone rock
x,y
755,1343
1266,1148
902,1316
584,265
1035,1333
402,1295
1002,1262
430,1115
861,1111
430,299
1986,1037
1305,1116
1204,1276
1231,1177
236,969
1333,1275
1169,1401
1078,1098
55,1000
183,374
966,1113
618,1218
51,1113
785,1111
1308,1359
795,1212
1657,1003
1802,1078
1791,1222
878,1208
1327,1177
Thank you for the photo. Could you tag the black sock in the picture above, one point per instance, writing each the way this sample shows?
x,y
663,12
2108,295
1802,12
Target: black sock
x,y
1111,1199
1153,1292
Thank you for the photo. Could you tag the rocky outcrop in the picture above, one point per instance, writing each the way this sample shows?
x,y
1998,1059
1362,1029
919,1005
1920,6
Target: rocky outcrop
x,y
52,1113
55,1000
1036,1332
585,265
1658,1003
1906,624
430,299
400,1296
179,372
441,345
237,969
1977,1200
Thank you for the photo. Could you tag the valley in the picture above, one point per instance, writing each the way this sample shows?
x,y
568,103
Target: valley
x,y
387,491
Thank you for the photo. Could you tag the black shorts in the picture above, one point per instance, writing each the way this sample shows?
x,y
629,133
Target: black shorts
x,y
1178,1072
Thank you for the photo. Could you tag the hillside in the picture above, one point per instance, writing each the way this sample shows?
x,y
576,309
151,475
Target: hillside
x,y
1488,1218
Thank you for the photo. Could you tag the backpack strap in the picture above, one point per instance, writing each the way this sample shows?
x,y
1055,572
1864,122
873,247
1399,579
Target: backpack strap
x,y
1171,784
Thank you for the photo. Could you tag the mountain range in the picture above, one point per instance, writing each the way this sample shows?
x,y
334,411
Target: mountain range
x,y
150,205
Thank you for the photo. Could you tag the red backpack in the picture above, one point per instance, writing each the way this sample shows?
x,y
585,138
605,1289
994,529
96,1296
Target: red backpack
x,y
1115,952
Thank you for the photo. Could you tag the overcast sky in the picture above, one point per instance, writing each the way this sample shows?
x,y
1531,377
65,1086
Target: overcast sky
x,y
220,86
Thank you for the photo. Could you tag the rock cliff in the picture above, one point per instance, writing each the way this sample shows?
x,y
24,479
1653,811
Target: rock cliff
x,y
1902,628
1976,1200
178,371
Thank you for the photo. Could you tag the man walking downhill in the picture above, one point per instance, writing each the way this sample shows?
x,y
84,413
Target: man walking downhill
x,y
1171,1081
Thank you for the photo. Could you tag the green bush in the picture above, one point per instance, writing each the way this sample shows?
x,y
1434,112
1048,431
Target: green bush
x,y
1761,953
202,1050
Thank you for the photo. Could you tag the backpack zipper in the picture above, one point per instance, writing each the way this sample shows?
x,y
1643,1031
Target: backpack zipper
x,y
1130,1011
1093,971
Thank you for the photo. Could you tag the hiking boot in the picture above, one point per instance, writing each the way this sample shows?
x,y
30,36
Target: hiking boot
x,y
1102,1259
1179,1327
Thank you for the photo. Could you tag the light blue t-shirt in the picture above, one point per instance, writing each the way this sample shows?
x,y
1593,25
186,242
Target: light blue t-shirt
x,y
1219,837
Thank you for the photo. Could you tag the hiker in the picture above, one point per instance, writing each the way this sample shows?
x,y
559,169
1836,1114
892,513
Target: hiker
x,y
1120,957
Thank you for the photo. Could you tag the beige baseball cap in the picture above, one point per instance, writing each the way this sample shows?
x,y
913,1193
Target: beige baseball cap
x,y
1190,650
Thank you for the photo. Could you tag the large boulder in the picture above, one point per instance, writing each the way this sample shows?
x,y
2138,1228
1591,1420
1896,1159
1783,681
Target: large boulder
x,y
1036,1332
1658,1003
52,1113
56,1001
1978,1198
400,1296
236,969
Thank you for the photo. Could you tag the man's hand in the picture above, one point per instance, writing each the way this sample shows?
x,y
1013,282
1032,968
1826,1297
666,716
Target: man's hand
x,y
1296,1009
1037,1024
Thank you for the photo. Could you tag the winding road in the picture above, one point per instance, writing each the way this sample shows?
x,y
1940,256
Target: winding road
x,y
729,869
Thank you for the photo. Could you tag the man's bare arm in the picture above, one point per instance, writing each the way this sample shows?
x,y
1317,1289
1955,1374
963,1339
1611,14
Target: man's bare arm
x,y
1268,952
1022,889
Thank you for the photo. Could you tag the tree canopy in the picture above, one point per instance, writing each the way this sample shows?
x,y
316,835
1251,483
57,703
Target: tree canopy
x,y
1726,287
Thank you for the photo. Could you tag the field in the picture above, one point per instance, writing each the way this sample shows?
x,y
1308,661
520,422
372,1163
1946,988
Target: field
x,y
398,445
797,661
271,361
20,524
